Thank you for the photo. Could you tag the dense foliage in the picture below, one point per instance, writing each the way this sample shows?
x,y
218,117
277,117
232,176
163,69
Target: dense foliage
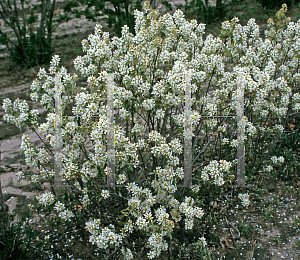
x,y
275,4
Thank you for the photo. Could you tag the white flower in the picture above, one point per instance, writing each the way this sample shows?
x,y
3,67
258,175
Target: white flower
x,y
128,254
20,175
202,241
225,141
195,188
7,105
139,129
244,199
280,159
105,194
173,160
42,156
148,104
180,173
121,179
35,178
198,212
176,146
66,215
46,198
59,206
54,63
141,222
156,137
280,127
160,113
216,169
269,168
128,227
134,202
189,223
274,159
157,244
41,74
233,143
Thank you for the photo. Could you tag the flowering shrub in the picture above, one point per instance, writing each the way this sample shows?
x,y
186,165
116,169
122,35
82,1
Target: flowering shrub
x,y
150,210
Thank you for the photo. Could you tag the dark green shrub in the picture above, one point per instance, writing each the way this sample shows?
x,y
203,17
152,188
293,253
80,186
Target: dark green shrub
x,y
35,50
275,4
204,13
121,14
17,242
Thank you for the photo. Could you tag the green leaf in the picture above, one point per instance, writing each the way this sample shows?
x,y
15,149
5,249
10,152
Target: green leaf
x,y
66,196
32,18
170,235
154,226
132,134
125,211
68,6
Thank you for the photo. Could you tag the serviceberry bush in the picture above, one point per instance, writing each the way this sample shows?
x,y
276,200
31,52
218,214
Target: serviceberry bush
x,y
150,215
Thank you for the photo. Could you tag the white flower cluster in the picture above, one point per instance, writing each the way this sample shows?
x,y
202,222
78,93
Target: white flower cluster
x,y
141,222
35,178
268,168
160,113
121,179
54,63
31,156
66,215
149,104
47,173
139,129
190,212
46,198
141,201
103,237
244,199
85,199
59,206
215,171
105,194
202,241
128,227
162,218
127,254
88,170
18,113
165,183
20,175
157,245
225,141
276,159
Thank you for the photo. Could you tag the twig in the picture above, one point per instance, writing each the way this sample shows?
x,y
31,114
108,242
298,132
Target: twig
x,y
224,207
230,232
236,230
45,144
222,244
